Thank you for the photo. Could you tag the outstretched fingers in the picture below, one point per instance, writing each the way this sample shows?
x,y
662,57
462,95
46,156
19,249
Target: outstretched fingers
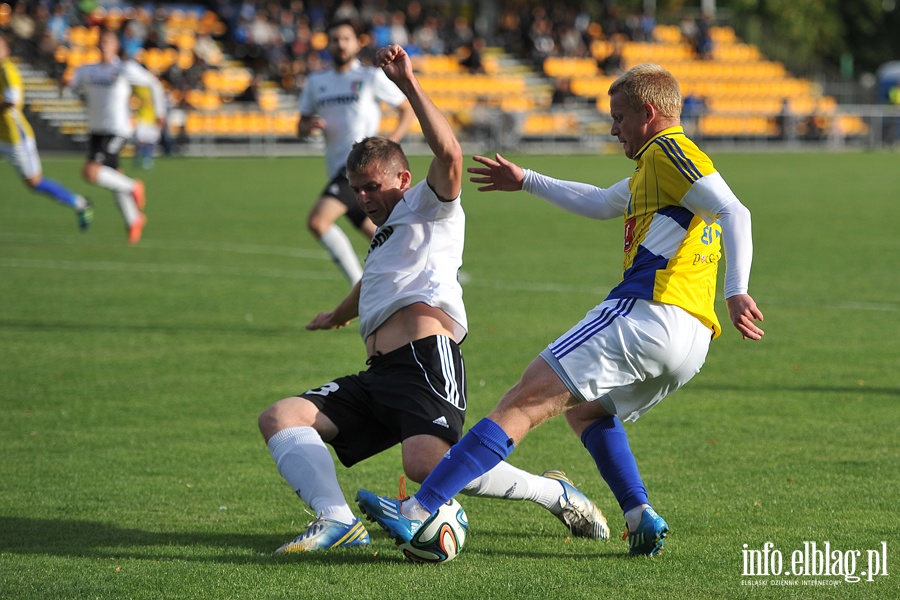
x,y
499,174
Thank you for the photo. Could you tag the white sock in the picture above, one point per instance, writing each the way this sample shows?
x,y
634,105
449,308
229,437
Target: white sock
x,y
305,463
341,250
633,516
116,181
126,204
81,203
507,482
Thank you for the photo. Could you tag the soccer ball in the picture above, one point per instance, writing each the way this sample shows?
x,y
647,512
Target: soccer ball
x,y
441,537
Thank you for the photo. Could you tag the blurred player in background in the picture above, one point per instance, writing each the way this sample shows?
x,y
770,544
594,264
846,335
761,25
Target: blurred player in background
x,y
17,142
412,319
651,334
344,104
146,128
107,87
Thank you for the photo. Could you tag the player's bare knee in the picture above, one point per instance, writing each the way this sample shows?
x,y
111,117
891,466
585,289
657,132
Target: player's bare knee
x,y
285,413
267,423
416,472
89,172
584,415
317,224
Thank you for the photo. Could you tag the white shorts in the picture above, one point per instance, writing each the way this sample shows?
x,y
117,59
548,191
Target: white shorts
x,y
629,354
146,133
24,157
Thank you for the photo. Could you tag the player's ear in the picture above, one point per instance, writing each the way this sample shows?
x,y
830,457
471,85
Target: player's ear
x,y
405,179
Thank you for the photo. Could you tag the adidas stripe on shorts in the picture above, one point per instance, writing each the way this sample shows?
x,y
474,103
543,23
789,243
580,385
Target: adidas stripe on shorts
x,y
417,389
629,354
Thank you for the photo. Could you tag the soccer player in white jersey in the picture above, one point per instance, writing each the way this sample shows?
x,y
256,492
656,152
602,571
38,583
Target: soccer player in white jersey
x,y
107,87
651,334
344,104
17,142
412,319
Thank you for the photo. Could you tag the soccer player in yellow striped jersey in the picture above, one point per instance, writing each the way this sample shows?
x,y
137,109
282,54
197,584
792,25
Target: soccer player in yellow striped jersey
x,y
17,142
671,253
650,335
146,128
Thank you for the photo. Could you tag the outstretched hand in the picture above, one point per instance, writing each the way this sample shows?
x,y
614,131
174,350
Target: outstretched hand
x,y
743,312
500,174
325,320
395,62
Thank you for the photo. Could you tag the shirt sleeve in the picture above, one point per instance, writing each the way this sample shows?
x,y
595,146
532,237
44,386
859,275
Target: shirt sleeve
x,y
423,201
12,94
386,90
707,196
76,84
738,242
581,199
306,105
139,76
711,199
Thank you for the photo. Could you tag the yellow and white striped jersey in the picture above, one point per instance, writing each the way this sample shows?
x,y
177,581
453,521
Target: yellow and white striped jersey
x,y
146,112
14,128
671,253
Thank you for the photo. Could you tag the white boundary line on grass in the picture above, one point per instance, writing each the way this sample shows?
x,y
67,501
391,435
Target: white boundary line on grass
x,y
504,285
194,269
170,268
304,253
220,247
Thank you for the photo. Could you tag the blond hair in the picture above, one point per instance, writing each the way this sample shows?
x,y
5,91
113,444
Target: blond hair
x,y
650,84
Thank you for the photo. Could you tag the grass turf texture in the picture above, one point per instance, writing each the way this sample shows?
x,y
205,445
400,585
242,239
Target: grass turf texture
x,y
131,378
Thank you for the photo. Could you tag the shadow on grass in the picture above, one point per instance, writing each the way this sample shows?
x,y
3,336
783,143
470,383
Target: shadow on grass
x,y
93,539
97,540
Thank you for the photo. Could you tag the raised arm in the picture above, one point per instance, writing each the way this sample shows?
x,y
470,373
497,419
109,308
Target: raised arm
x,y
138,76
445,172
308,124
582,199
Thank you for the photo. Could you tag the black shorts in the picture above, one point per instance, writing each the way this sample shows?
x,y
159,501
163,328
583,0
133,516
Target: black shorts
x,y
339,188
414,390
104,149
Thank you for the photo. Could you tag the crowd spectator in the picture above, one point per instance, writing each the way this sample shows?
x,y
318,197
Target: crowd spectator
x,y
786,122
280,40
399,34
472,56
693,107
563,96
24,29
58,23
696,33
428,37
613,64
540,37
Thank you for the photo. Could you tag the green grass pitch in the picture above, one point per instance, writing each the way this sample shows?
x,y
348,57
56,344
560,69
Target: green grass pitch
x,y
131,378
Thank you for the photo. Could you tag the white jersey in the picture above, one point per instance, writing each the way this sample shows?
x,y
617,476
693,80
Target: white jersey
x,y
415,257
107,90
350,103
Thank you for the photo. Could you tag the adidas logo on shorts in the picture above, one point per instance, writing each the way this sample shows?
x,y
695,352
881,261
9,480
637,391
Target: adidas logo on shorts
x,y
442,421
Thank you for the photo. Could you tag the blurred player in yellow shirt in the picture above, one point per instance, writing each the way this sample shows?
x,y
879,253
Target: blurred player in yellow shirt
x,y
17,141
146,128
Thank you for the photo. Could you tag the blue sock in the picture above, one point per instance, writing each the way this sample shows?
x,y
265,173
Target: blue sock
x,y
607,443
55,189
479,451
